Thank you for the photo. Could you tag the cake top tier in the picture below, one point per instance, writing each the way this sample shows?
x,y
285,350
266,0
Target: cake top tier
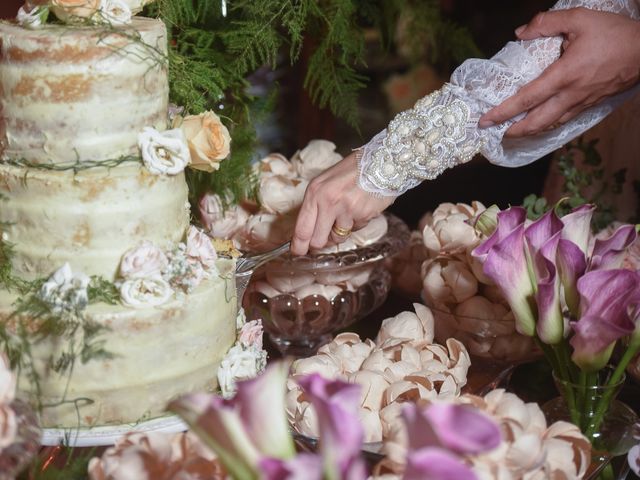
x,y
80,93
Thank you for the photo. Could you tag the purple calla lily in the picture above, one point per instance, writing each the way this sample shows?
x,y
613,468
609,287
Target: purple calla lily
x,y
239,430
458,428
542,238
577,227
303,467
436,464
572,263
607,300
609,253
437,432
341,434
505,262
508,220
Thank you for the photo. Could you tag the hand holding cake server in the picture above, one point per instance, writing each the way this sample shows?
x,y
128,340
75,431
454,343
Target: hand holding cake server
x,y
571,67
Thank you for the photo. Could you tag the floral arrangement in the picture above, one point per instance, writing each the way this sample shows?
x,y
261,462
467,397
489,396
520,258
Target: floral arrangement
x,y
528,447
466,304
34,13
402,364
150,276
568,292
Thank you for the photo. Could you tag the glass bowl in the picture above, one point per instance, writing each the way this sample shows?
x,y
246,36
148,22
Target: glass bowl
x,y
303,300
488,340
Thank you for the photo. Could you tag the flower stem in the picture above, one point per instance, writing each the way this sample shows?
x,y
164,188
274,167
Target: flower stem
x,y
604,402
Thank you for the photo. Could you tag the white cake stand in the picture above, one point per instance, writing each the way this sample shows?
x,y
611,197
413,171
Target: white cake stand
x,y
107,435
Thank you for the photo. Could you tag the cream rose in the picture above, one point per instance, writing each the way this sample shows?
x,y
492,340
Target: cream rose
x,y
116,12
7,381
208,140
219,222
75,10
144,261
315,158
163,152
145,292
8,426
201,249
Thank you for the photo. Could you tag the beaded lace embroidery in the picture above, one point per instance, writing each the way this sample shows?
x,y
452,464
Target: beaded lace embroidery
x,y
441,130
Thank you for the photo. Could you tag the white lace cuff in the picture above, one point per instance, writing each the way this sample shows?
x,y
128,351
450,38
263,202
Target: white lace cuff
x,y
439,132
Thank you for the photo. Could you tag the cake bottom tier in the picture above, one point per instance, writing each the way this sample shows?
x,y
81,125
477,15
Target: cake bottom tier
x,y
158,354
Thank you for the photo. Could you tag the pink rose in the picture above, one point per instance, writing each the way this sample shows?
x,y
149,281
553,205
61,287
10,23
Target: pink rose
x,y
251,334
219,222
144,261
156,456
200,248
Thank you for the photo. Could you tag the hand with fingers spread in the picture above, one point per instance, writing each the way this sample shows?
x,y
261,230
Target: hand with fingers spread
x,y
600,58
333,206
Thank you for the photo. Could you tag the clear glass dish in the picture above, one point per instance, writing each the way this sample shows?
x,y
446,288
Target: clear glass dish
x,y
320,294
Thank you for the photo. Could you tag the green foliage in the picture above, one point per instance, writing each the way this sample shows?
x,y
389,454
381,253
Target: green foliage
x,y
212,56
583,183
75,465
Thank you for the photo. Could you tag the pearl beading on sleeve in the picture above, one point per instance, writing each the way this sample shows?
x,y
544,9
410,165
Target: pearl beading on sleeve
x,y
420,143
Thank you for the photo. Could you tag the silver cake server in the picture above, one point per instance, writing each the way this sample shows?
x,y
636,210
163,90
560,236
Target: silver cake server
x,y
246,265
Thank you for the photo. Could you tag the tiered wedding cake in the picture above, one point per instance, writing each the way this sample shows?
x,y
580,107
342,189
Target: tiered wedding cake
x,y
83,213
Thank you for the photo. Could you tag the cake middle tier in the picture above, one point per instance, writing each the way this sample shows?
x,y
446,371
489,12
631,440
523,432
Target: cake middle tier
x,y
89,218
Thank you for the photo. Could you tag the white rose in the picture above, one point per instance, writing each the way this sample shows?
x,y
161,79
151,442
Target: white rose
x,y
8,426
65,290
164,152
33,18
279,194
200,249
144,261
240,364
116,12
315,158
7,382
145,292
219,222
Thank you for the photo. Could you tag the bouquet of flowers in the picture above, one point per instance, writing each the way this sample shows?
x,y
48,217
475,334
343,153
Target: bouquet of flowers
x,y
567,291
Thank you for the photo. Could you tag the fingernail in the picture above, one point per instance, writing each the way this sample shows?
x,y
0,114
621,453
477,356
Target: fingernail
x,y
520,29
485,123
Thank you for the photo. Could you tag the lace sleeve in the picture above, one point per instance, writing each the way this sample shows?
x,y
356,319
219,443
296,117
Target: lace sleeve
x,y
440,131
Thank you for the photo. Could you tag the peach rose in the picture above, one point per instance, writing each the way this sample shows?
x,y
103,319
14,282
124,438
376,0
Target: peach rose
x,y
68,10
208,139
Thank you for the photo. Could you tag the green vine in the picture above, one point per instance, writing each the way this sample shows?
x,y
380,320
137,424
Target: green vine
x,y
76,166
32,321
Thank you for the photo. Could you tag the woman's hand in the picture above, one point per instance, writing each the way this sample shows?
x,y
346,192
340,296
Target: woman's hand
x,y
601,57
334,205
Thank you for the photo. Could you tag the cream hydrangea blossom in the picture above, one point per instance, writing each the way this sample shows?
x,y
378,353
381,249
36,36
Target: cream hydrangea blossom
x,y
65,291
246,359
